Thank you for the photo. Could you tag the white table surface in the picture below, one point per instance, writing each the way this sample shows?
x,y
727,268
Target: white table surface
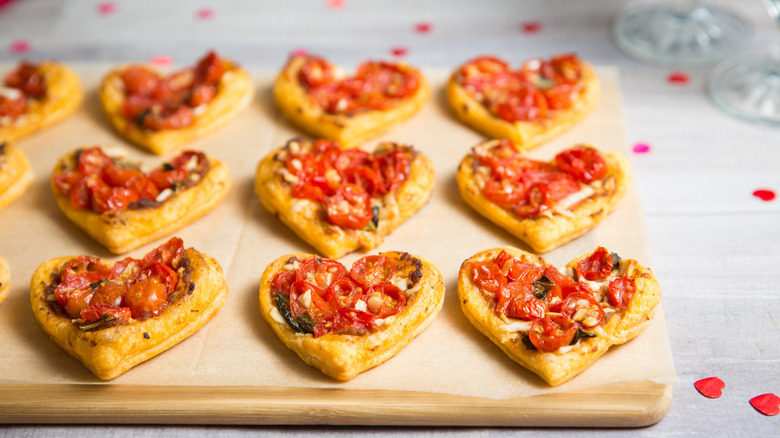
x,y
716,247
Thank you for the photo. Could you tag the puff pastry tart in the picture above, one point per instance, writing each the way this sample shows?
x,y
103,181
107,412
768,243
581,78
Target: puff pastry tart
x,y
545,204
5,279
160,113
123,207
530,105
556,321
15,173
344,322
112,317
34,96
341,200
314,94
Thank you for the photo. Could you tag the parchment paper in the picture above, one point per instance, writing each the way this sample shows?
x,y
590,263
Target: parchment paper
x,y
237,347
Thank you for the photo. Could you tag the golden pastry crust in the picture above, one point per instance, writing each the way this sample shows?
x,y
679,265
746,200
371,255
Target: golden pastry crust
x,y
15,173
344,356
63,96
5,279
126,229
546,232
296,104
308,218
234,93
526,134
559,366
111,351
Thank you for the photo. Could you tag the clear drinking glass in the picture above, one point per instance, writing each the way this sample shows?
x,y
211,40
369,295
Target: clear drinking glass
x,y
749,86
679,32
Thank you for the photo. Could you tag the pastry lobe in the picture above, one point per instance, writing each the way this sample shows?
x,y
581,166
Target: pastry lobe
x,y
528,106
341,200
556,321
34,96
15,173
314,94
344,322
160,113
544,204
112,317
5,279
122,207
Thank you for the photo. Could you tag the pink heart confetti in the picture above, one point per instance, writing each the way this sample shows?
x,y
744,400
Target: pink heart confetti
x,y
678,78
336,4
20,46
161,61
764,194
711,387
106,8
768,404
641,148
399,51
530,27
423,28
4,3
300,52
205,14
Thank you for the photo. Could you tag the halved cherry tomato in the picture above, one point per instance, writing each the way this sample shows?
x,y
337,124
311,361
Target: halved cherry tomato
x,y
12,108
283,281
316,72
92,160
172,116
523,104
371,270
345,321
157,273
516,270
95,312
108,293
583,309
502,192
27,79
487,277
105,198
169,253
320,272
596,266
210,68
529,310
140,81
621,290
343,292
146,298
385,300
349,207
552,332
583,163
201,94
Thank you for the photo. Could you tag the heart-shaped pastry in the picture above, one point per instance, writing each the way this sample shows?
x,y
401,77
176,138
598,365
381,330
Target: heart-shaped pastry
x,y
34,96
112,317
315,95
15,173
544,204
344,322
341,200
556,321
528,106
5,279
123,207
160,113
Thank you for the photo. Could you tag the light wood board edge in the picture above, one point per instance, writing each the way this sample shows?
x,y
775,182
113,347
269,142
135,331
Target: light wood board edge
x,y
623,405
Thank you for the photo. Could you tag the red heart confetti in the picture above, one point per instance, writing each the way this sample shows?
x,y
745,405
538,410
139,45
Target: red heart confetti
x,y
678,78
106,8
336,4
711,387
300,52
641,148
399,51
4,3
20,46
161,61
768,404
205,14
531,27
422,28
764,194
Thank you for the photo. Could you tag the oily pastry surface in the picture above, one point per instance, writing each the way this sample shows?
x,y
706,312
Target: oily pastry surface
x,y
349,130
5,279
126,229
111,351
549,231
15,173
63,96
234,93
308,219
559,366
526,134
344,356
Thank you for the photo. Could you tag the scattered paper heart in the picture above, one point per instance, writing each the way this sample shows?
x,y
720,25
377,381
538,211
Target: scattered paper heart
x,y
399,51
4,3
768,404
531,27
20,46
678,78
205,14
106,8
300,52
641,148
422,28
336,4
764,194
711,387
161,61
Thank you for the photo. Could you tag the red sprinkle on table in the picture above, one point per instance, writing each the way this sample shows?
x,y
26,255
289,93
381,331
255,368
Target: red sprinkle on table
x,y
711,387
205,14
764,194
336,4
678,77
531,27
106,8
399,51
161,61
422,28
641,148
768,404
20,46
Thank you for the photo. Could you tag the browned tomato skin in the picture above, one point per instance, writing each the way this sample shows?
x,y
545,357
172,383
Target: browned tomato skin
x,y
29,83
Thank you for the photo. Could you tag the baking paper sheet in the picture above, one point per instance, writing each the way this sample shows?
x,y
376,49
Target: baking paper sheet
x,y
237,347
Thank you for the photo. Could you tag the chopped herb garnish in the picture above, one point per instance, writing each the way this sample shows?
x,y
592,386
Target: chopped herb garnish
x,y
303,323
528,344
542,285
97,284
581,334
105,318
168,167
615,260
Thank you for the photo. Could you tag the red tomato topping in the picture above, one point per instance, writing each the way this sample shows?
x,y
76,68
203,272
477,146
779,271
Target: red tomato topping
x,y
552,332
583,309
385,300
583,163
488,277
27,79
349,207
621,290
596,266
145,298
12,108
94,313
320,272
371,270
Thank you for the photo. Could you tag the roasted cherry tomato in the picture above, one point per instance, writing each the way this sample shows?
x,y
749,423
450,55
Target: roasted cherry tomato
x,y
583,309
316,72
12,108
371,270
210,68
621,290
283,281
583,163
552,332
343,292
27,79
108,292
105,198
320,272
345,321
146,298
140,81
596,266
529,310
95,312
385,300
487,276
349,207
169,253
307,298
